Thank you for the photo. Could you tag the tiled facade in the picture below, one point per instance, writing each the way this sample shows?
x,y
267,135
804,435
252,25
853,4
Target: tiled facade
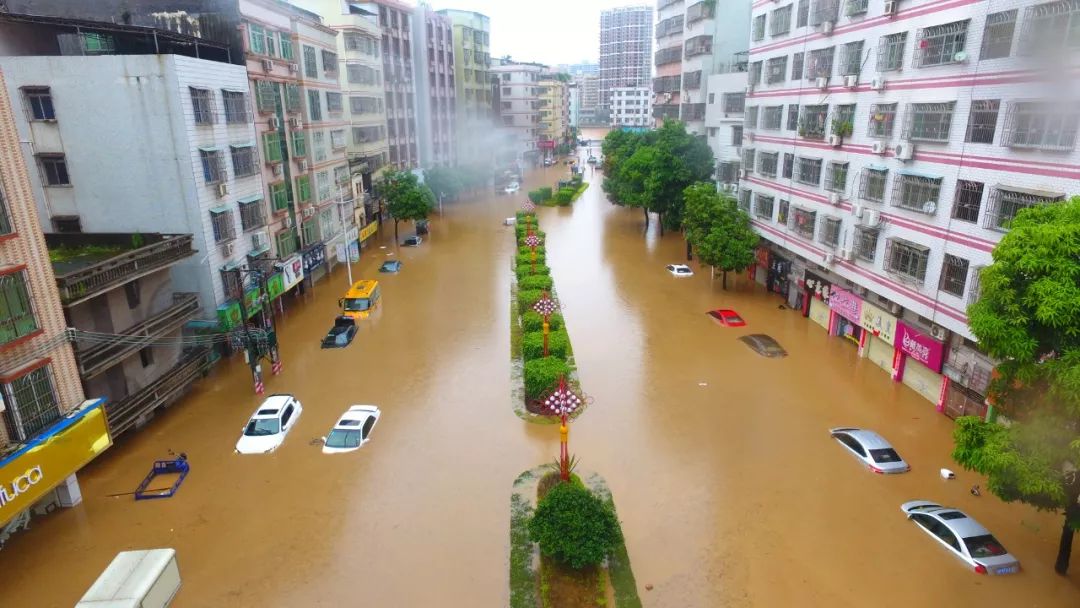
x,y
395,19
475,118
631,107
436,87
519,103
554,112
625,49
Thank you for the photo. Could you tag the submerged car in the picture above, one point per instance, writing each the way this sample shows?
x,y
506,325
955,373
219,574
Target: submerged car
x,y
352,430
512,188
679,270
391,266
764,345
268,426
965,537
593,160
549,161
341,334
412,241
871,449
727,317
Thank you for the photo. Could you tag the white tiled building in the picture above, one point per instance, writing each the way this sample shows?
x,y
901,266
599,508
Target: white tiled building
x,y
631,107
724,125
519,103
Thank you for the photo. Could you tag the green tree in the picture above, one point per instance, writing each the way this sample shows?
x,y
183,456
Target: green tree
x,y
718,229
406,197
1028,317
444,182
574,526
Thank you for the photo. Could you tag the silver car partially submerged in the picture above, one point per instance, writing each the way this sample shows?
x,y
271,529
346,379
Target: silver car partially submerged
x,y
965,537
871,449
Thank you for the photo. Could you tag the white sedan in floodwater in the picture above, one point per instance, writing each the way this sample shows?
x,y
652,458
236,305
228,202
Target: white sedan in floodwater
x,y
268,426
352,430
963,536
679,270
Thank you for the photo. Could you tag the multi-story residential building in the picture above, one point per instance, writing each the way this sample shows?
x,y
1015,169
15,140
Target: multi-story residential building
x,y
575,104
625,50
578,69
724,125
475,118
554,112
436,93
631,107
395,19
888,145
519,104
589,112
43,403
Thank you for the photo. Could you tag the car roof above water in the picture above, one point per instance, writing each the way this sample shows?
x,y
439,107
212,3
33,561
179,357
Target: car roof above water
x,y
869,439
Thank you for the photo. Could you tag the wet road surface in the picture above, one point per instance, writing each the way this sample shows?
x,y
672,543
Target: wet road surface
x,y
728,487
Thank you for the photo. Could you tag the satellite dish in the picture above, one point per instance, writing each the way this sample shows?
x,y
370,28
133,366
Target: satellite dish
x,y
929,207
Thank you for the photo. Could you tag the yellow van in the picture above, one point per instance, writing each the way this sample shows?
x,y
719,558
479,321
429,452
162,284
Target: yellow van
x,y
361,299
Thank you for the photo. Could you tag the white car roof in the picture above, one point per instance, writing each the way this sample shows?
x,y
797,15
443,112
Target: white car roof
x,y
356,413
273,402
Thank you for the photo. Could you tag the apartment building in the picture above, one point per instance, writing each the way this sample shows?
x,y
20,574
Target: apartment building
x,y
589,112
625,50
631,107
519,105
554,113
724,125
574,91
887,146
436,94
395,19
475,117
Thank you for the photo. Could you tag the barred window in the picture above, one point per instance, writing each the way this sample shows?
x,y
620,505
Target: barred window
x,y
789,164
941,44
772,117
872,184
734,102
954,273
727,172
891,52
744,200
231,283
803,15
16,309
851,56
750,117
736,135
982,121
855,7
974,286
781,21
236,107
754,77
1046,125
836,176
866,240
748,159
251,214
803,222
782,213
1006,202
808,171
928,121
819,62
292,97
202,104
793,117
776,70
830,231
767,163
906,260
222,222
265,95
329,64
998,35
243,160
213,166
824,10
333,102
758,27
917,193
763,205
844,113
32,404
797,66
1051,27
812,121
968,201
882,117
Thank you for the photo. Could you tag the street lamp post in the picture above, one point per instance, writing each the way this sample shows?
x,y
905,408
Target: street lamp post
x,y
545,307
529,210
562,402
533,242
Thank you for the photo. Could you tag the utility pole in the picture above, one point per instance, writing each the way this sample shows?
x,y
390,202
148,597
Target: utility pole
x,y
253,350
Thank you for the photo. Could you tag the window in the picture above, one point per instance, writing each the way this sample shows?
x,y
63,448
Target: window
x,y
772,117
767,164
299,144
830,231
279,196
366,135
891,52
224,228
929,121
303,189
803,222
341,175
311,67
836,177
31,402
797,66
1044,125
844,115
808,171
882,117
327,226
781,21
16,311
272,147
907,260
265,96
286,243
824,10
361,74
855,7
750,120
736,135
734,103
793,117
804,13
916,193
39,100
322,179
202,105
851,58
314,105
256,39
789,164
968,201
236,108
758,27
243,160
5,215
329,64
754,77
782,213
866,240
748,156
251,214
1006,202
954,273
727,172
310,231
365,105
133,294
812,121
286,46
213,166
54,169
776,69
1051,26
998,35
819,63
763,206
982,121
941,44
146,356
872,184
337,139
333,102
974,288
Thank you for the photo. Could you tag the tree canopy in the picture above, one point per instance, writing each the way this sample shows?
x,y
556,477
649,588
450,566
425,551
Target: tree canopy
x,y
719,231
444,181
574,526
1028,317
406,197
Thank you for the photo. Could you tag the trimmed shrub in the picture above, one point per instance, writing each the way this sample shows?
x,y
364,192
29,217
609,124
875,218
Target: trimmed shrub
x,y
542,375
532,347
545,193
535,196
525,270
541,251
536,282
532,321
574,526
526,299
565,195
525,260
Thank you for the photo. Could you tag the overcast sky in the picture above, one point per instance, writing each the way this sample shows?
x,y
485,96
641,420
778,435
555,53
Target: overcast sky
x,y
545,31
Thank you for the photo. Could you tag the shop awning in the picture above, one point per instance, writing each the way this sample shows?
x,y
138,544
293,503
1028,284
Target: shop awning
x,y
210,148
219,209
877,167
913,173
1043,194
243,145
254,198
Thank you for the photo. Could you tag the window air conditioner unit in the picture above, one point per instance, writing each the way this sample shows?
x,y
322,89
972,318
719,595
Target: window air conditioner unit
x,y
847,254
871,218
749,89
287,222
294,68
879,147
891,6
274,123
227,250
301,164
827,259
851,81
222,189
309,212
260,239
904,150
878,84
277,169
857,210
938,332
267,65
835,198
826,28
895,309
822,82
296,123
835,141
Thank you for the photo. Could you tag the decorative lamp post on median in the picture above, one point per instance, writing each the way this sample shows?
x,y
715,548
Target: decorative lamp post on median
x,y
562,402
545,307
532,241
529,210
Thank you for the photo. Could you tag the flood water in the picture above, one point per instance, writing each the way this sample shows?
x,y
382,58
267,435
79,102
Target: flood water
x,y
729,490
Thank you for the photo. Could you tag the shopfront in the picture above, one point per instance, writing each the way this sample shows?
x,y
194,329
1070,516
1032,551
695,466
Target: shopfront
x,y
43,471
778,273
918,360
366,233
314,258
816,302
879,336
846,317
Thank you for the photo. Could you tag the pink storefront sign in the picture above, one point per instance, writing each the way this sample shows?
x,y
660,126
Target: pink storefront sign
x,y
920,346
846,304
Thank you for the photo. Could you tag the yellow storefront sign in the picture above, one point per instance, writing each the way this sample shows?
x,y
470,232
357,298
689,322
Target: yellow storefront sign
x,y
368,230
878,322
39,467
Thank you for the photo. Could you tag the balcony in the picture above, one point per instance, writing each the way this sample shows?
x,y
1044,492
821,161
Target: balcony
x,y
666,112
96,358
89,264
167,388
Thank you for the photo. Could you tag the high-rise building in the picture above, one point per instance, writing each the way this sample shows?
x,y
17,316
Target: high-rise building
x,y
519,104
436,87
625,50
554,112
887,147
475,118
589,112
395,18
631,107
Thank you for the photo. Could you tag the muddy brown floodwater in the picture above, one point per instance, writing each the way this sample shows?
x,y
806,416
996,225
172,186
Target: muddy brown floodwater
x,y
728,487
